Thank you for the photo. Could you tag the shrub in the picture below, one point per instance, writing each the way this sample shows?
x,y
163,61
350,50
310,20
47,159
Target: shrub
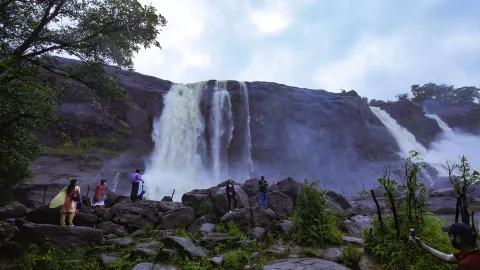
x,y
313,223
351,257
235,259
231,229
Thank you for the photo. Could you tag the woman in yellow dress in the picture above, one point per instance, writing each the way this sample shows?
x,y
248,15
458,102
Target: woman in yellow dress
x,y
69,207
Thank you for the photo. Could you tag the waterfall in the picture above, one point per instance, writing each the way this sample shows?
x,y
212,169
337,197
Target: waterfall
x,y
222,130
405,139
451,145
247,149
178,157
443,126
115,181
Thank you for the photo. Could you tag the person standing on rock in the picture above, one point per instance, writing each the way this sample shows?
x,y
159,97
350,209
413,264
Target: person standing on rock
x,y
135,179
69,207
231,195
463,237
262,192
100,195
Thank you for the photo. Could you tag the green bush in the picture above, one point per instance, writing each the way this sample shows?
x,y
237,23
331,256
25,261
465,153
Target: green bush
x,y
231,229
351,257
235,259
313,223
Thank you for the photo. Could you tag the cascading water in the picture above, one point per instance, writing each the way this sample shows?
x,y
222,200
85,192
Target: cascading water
x,y
115,181
451,145
222,130
405,139
247,150
177,161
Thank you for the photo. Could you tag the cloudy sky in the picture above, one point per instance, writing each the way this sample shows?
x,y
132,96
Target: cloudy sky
x,y
377,47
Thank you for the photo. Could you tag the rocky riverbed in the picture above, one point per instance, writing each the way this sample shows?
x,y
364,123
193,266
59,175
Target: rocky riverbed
x,y
151,233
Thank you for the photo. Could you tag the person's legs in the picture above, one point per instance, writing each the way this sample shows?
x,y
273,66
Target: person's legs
x,y
134,193
261,199
62,219
229,198
70,218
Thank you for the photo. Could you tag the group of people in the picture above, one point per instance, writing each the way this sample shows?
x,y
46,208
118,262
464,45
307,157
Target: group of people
x,y
232,195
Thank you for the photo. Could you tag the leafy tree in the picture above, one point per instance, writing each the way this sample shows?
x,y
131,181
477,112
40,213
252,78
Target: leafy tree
x,y
313,223
96,32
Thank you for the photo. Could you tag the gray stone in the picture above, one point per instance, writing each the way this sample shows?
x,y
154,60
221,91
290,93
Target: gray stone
x,y
151,266
199,200
12,210
286,226
251,187
357,224
109,227
47,215
184,245
304,264
256,216
217,260
108,259
338,199
211,240
146,250
332,254
352,240
135,215
7,231
122,242
258,233
288,186
280,202
207,228
70,237
180,217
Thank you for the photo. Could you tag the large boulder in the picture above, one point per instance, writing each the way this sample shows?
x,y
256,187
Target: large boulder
x,y
7,231
199,200
304,264
252,217
69,237
357,224
251,187
109,227
47,215
181,217
288,186
211,240
12,210
134,215
184,245
279,202
338,199
220,201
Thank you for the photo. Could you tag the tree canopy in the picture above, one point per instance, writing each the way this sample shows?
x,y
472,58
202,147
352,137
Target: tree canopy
x,y
95,31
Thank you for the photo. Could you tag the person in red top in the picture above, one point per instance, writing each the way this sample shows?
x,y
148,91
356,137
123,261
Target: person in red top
x,y
463,237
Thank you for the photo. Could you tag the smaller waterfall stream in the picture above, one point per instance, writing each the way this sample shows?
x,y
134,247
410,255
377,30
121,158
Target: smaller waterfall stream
x,y
248,139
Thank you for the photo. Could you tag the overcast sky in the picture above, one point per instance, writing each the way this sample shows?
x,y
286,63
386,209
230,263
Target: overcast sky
x,y
377,47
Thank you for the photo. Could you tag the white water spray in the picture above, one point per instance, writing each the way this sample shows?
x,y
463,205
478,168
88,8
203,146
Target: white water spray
x,y
177,160
247,152
222,128
115,181
405,139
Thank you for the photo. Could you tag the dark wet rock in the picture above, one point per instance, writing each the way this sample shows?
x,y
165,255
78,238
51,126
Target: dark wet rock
x,y
207,228
255,216
197,224
147,250
338,199
251,187
134,215
12,210
70,237
289,187
199,200
167,206
122,242
167,199
279,202
109,227
211,240
184,245
108,259
304,264
332,254
151,266
166,254
220,202
181,217
258,233
7,231
47,215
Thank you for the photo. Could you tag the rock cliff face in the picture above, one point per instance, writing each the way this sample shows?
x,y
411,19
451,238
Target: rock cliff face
x,y
303,133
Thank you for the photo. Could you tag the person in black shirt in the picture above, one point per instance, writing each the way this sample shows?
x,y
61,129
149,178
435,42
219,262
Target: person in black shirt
x,y
262,192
